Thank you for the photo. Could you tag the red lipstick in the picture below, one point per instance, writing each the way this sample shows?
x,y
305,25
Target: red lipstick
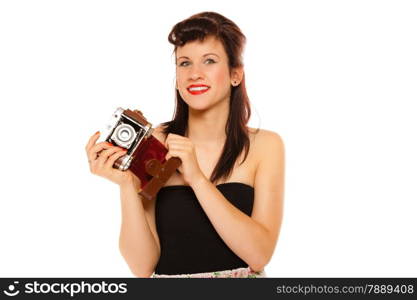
x,y
197,89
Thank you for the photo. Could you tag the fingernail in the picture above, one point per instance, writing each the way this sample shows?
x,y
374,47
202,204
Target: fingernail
x,y
98,132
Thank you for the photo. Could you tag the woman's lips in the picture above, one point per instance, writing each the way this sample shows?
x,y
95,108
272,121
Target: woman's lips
x,y
197,89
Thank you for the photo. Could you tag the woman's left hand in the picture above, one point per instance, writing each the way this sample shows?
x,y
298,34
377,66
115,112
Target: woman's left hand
x,y
183,148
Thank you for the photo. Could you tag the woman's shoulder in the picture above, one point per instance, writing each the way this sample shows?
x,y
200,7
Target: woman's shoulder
x,y
160,128
264,137
265,143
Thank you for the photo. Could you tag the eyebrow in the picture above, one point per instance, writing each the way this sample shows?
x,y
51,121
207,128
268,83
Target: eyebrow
x,y
207,54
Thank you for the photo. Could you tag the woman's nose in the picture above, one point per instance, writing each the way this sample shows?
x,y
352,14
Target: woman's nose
x,y
196,73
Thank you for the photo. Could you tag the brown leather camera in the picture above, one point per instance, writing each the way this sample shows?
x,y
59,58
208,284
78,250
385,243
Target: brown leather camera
x,y
145,155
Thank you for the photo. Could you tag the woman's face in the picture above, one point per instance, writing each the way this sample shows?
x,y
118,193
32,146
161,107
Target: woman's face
x,y
203,76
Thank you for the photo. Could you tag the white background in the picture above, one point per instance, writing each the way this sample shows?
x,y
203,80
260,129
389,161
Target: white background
x,y
336,79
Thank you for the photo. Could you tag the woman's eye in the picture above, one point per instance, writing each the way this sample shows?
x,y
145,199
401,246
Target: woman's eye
x,y
184,63
210,61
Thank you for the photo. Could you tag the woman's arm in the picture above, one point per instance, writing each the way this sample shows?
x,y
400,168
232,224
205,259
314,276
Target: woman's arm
x,y
139,242
253,238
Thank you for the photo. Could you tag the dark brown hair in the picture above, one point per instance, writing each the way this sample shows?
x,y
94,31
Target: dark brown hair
x,y
199,27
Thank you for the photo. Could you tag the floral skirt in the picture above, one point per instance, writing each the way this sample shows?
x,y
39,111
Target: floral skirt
x,y
234,273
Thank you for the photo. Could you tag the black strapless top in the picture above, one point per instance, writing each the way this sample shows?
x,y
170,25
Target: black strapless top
x,y
189,242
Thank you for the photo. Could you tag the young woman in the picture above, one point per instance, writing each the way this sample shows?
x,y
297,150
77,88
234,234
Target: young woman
x,y
220,214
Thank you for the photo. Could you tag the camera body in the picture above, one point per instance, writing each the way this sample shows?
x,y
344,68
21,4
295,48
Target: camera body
x,y
145,155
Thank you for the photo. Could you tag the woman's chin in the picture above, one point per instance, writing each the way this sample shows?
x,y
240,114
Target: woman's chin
x,y
198,107
203,105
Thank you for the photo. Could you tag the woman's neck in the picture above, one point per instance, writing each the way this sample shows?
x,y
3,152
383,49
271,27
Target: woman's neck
x,y
208,127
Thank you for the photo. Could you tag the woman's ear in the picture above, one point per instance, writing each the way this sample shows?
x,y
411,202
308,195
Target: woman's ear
x,y
236,76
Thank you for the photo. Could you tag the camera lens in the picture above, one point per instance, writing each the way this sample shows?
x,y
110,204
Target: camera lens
x,y
124,135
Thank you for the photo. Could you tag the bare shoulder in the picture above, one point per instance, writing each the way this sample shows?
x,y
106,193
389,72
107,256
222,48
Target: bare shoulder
x,y
263,138
265,143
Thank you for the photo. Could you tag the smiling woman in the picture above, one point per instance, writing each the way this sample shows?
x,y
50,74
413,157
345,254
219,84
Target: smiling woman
x,y
231,227
220,214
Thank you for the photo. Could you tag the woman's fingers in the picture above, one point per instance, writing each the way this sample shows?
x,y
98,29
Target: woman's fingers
x,y
105,154
92,140
175,138
113,157
173,153
96,149
178,147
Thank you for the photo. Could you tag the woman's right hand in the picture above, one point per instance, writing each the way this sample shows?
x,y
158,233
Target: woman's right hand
x,y
102,156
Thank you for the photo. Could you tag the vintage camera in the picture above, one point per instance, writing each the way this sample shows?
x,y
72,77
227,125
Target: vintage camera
x,y
145,155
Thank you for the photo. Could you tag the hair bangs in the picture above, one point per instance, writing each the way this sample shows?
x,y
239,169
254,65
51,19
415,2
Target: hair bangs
x,y
192,30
